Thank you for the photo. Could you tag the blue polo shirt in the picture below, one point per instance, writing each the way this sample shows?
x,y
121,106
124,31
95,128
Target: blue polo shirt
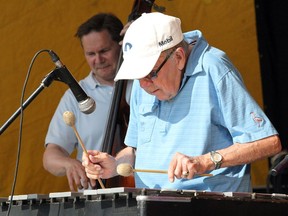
x,y
91,127
211,111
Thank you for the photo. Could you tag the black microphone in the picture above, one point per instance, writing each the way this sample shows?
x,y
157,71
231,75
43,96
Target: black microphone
x,y
86,104
280,166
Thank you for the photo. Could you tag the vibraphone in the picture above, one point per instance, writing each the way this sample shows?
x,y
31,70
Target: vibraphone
x,y
142,202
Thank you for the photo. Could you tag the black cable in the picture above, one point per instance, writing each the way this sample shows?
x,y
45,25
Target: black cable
x,y
20,129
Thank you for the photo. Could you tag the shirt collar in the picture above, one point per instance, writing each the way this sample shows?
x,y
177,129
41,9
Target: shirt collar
x,y
194,64
92,81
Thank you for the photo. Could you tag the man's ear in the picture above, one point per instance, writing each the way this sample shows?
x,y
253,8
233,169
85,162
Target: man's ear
x,y
180,58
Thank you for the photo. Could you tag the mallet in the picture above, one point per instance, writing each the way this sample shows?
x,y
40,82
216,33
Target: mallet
x,y
69,119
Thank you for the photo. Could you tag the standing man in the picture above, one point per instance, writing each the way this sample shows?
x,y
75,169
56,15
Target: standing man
x,y
99,37
190,113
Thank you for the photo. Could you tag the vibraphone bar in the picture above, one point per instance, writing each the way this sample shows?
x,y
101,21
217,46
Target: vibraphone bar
x,y
144,202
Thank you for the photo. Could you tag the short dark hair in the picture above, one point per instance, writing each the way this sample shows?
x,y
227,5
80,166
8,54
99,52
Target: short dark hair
x,y
101,22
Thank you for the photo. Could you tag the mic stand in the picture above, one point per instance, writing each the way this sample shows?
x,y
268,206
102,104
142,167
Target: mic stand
x,y
279,168
45,83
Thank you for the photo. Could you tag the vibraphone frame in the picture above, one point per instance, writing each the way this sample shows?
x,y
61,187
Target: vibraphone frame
x,y
144,202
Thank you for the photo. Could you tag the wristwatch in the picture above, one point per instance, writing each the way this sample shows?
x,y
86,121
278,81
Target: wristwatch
x,y
217,158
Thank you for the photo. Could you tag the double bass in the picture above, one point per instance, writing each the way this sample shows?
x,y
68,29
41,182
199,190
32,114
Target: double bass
x,y
119,108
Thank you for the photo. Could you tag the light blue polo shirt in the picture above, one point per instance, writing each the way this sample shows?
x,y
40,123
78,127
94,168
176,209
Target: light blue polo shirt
x,y
211,111
91,127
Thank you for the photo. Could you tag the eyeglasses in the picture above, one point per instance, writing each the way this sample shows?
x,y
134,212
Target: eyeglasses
x,y
154,73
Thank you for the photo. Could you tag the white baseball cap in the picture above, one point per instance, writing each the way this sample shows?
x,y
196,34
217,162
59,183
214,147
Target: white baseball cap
x,y
145,39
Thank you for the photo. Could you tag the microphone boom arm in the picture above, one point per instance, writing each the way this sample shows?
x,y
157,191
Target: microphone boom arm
x,y
48,79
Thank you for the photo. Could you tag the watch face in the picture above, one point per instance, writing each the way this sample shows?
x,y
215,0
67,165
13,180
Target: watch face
x,y
217,157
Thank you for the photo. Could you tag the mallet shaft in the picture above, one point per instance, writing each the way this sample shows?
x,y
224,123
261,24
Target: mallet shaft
x,y
163,172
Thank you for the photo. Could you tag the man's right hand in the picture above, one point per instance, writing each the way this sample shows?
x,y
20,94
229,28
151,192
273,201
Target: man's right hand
x,y
58,162
76,175
99,165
